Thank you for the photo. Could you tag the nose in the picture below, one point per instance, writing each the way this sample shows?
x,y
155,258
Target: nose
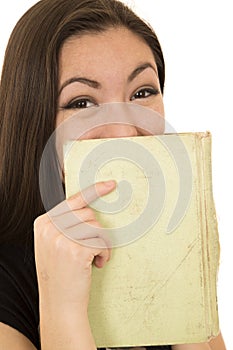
x,y
112,130
117,130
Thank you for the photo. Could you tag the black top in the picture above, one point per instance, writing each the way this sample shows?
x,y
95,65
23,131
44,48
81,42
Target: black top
x,y
19,300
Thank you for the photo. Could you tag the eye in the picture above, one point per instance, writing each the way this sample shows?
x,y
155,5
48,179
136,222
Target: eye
x,y
80,103
144,93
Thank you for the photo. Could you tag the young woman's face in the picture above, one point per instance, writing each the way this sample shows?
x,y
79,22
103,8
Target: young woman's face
x,y
112,66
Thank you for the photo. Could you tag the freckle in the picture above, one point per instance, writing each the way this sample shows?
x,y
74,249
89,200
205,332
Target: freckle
x,y
44,276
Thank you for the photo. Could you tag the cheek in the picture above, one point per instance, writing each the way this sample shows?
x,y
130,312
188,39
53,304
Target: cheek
x,y
155,123
158,106
62,116
155,104
59,118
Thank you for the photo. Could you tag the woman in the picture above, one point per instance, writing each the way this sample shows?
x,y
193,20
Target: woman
x,y
63,55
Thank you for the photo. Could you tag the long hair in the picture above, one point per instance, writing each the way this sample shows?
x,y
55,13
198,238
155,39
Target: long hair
x,y
29,95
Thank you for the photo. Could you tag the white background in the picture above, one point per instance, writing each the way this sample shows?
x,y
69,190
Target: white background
x,y
196,37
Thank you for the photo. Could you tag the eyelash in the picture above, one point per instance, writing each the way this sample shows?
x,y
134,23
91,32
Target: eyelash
x,y
151,91
78,103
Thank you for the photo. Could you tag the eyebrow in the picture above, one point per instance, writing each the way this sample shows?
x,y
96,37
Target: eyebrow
x,y
140,69
92,83
96,85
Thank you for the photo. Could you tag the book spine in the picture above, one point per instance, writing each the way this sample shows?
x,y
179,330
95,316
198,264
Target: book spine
x,y
209,236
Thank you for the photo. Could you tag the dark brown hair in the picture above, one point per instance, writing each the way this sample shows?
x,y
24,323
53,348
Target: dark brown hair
x,y
29,95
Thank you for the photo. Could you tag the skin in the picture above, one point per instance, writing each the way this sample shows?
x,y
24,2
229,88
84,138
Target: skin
x,y
63,266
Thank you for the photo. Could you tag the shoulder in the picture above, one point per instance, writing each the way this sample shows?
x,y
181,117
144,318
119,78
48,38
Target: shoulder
x,y
10,338
19,306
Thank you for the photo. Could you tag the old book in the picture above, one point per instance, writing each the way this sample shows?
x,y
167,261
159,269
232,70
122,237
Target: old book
x,y
160,285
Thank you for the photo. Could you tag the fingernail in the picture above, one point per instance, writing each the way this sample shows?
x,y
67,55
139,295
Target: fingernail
x,y
110,184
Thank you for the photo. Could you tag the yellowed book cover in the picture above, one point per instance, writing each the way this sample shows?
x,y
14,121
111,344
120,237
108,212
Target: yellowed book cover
x,y
160,285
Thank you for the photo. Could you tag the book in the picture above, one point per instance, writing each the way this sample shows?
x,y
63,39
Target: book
x,y
159,286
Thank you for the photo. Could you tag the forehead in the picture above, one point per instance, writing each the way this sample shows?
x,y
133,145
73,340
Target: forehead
x,y
115,48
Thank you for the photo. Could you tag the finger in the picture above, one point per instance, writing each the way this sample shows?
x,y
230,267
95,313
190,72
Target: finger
x,y
90,194
83,198
100,261
100,255
73,218
85,231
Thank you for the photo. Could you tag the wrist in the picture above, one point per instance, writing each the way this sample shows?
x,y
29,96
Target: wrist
x,y
66,329
75,311
52,303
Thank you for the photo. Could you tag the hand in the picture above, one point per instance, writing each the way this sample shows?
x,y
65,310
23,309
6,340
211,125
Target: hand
x,y
63,265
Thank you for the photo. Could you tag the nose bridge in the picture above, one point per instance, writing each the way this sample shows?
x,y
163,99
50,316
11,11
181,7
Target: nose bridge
x,y
119,118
